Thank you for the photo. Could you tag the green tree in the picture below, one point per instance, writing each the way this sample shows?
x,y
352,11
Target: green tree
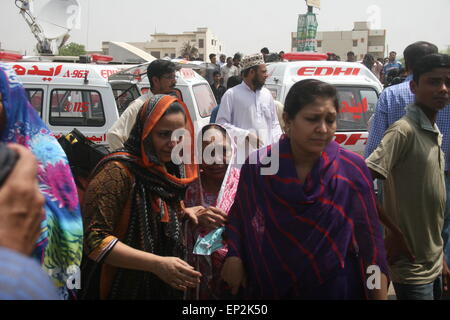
x,y
72,49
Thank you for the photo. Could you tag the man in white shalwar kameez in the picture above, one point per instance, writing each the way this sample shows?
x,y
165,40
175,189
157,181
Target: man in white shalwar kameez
x,y
248,110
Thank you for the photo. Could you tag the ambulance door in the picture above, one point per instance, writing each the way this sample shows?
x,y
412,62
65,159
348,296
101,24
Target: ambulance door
x,y
357,105
37,95
89,109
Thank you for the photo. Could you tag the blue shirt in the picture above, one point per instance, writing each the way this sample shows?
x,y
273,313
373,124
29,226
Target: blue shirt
x,y
214,113
390,66
391,108
21,278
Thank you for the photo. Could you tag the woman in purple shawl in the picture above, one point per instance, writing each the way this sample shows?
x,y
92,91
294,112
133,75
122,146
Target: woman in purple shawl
x,y
311,231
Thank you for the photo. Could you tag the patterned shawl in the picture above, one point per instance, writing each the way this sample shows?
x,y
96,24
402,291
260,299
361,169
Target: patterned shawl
x,y
60,243
207,251
153,225
295,239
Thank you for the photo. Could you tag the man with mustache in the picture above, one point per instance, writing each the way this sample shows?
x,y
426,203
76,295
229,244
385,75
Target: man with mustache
x,y
162,78
249,106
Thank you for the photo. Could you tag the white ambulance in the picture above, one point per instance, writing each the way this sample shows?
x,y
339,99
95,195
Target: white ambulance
x,y
194,90
85,96
358,90
70,95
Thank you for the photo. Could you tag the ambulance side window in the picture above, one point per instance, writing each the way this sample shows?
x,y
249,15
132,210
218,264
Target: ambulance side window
x,y
205,99
356,105
35,96
76,108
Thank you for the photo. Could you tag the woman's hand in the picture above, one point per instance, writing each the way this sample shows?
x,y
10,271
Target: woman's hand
x,y
233,274
177,273
211,218
192,213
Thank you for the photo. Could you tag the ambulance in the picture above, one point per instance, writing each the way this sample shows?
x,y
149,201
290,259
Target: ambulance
x,y
193,89
357,87
68,94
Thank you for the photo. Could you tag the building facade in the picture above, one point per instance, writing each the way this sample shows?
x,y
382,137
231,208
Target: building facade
x,y
361,40
171,45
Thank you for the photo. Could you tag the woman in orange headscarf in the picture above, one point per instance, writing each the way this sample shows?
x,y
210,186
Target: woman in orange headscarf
x,y
133,212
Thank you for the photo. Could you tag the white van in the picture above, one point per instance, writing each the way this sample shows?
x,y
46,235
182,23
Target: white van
x,y
87,97
358,91
71,95
195,91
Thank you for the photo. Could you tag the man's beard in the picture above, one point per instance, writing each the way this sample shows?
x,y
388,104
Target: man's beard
x,y
258,83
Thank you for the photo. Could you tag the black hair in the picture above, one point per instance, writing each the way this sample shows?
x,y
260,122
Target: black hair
x,y
368,61
237,56
175,107
212,55
265,50
216,73
350,53
306,92
213,126
233,81
158,68
414,52
393,52
430,62
246,72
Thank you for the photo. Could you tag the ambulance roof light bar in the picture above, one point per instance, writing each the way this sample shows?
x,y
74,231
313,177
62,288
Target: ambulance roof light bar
x,y
305,56
10,56
101,58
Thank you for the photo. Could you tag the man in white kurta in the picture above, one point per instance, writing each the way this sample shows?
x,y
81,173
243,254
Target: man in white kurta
x,y
249,109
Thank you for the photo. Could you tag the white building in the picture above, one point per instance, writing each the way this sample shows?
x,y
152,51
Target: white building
x,y
163,44
361,40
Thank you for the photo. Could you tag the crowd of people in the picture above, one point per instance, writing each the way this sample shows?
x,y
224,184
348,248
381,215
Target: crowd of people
x,y
149,227
389,70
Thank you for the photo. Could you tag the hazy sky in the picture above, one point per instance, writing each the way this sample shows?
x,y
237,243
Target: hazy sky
x,y
241,25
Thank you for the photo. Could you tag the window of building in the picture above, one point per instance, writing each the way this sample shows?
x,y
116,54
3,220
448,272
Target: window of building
x,y
357,105
156,54
201,43
362,40
205,99
36,99
77,108
355,43
201,56
319,43
172,55
175,40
